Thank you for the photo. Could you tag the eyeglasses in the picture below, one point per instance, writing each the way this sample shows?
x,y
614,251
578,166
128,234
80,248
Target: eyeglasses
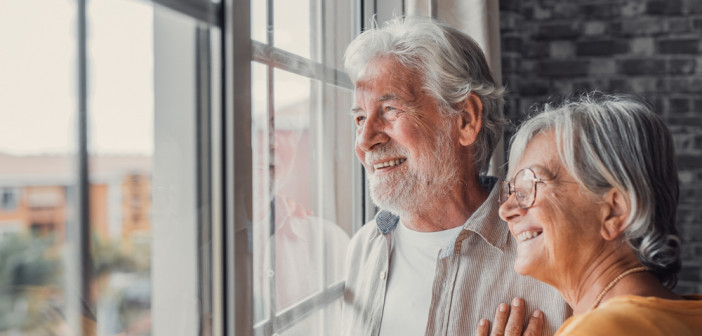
x,y
523,186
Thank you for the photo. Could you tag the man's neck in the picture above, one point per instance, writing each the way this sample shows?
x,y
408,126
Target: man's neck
x,y
447,212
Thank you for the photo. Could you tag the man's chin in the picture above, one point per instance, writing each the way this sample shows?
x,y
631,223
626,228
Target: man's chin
x,y
393,201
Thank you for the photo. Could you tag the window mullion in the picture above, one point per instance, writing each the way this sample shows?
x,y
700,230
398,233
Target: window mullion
x,y
299,65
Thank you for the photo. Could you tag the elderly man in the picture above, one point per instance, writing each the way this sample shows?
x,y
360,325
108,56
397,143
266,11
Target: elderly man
x,y
437,258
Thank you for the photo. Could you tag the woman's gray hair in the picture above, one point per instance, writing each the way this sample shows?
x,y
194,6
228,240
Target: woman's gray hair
x,y
618,142
450,64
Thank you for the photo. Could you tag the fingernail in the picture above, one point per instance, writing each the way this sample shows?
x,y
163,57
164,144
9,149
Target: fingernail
x,y
483,322
537,313
515,302
503,307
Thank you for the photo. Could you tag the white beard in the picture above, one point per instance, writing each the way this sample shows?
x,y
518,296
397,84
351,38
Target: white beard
x,y
423,183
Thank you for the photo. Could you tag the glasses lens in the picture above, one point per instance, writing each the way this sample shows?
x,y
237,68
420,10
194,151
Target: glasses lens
x,y
504,192
524,187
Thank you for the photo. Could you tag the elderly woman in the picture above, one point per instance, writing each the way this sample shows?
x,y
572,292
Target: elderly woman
x,y
591,202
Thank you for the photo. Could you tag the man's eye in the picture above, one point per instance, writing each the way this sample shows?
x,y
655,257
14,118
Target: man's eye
x,y
360,120
390,113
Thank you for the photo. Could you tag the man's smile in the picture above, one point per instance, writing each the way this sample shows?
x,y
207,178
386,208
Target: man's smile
x,y
388,163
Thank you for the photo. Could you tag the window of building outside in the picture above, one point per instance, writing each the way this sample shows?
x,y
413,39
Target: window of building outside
x,y
156,171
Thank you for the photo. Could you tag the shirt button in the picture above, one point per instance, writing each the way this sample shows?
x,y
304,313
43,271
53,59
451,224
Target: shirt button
x,y
383,275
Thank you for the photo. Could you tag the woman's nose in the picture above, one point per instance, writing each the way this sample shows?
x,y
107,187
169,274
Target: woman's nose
x,y
510,209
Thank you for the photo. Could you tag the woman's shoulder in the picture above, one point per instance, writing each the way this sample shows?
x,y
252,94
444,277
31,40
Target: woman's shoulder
x,y
635,315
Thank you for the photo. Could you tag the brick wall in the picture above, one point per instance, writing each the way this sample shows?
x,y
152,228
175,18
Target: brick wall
x,y
653,48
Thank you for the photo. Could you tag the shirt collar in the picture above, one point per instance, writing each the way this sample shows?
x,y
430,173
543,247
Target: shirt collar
x,y
484,221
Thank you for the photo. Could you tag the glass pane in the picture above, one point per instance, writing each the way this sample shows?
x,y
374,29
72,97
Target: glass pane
x,y
292,26
38,110
336,156
296,242
261,189
121,145
259,20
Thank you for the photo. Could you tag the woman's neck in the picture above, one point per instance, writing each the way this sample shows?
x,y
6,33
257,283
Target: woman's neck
x,y
609,279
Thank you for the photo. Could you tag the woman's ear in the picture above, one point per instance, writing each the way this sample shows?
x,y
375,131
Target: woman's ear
x,y
471,120
616,209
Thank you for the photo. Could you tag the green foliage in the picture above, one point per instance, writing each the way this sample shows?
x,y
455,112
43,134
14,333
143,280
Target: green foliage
x,y
32,277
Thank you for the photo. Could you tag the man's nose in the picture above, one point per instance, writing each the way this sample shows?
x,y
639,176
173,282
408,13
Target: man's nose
x,y
372,134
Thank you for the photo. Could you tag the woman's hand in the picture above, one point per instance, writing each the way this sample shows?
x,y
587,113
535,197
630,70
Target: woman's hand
x,y
509,322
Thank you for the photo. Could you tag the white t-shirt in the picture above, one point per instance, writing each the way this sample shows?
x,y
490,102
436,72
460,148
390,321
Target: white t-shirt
x,y
410,279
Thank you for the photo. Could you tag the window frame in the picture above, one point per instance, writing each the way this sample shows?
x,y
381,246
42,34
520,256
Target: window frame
x,y
224,171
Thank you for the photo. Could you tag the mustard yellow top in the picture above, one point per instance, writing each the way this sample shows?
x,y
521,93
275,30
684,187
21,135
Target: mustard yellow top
x,y
638,315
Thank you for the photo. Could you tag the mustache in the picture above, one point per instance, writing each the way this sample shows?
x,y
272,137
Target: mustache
x,y
385,152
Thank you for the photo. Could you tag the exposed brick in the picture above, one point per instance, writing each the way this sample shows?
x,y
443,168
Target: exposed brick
x,y
558,68
603,67
679,46
620,85
679,25
562,52
641,26
693,6
633,8
680,105
530,88
510,65
558,31
643,84
534,49
561,49
511,44
529,66
593,28
509,21
561,86
685,288
697,24
565,10
644,66
687,162
680,85
641,46
664,7
599,10
681,66
510,5
540,13
690,274
601,47
688,194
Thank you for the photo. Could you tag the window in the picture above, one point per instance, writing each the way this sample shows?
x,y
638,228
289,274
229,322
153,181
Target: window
x,y
302,144
192,154
10,199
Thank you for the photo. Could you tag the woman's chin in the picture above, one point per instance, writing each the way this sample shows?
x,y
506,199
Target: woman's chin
x,y
526,267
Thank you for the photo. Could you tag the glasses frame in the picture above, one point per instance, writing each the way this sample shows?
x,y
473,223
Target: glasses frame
x,y
511,189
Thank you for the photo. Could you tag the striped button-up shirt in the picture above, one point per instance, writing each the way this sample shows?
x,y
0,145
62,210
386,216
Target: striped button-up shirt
x,y
474,274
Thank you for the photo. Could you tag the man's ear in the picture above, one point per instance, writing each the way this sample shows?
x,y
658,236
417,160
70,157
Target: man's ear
x,y
616,211
471,120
